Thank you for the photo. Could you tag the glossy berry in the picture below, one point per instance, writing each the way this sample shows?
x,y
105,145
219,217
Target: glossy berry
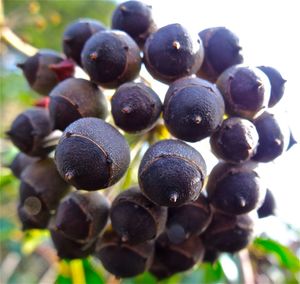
x,y
135,218
73,99
274,135
38,73
123,259
111,58
171,173
191,218
172,52
193,109
41,180
268,207
135,18
228,233
235,141
135,107
92,154
246,90
277,84
81,215
29,129
33,215
20,162
221,50
235,189
69,249
179,257
76,34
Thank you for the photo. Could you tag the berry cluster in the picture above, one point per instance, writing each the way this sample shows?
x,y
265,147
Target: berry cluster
x,y
166,223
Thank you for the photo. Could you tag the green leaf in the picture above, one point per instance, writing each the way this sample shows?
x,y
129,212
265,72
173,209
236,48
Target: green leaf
x,y
284,255
92,275
7,227
61,279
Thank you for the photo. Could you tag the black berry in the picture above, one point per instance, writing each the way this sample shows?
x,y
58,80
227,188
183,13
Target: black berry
x,y
92,154
193,109
221,50
135,107
135,18
246,90
172,52
76,34
111,58
20,162
171,173
235,141
38,73
268,207
73,99
29,129
135,218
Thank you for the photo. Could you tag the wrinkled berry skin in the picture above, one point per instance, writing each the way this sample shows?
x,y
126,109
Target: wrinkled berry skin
x,y
235,141
277,84
171,173
42,180
268,207
246,90
135,107
69,249
274,135
179,257
134,18
221,50
193,109
235,189
92,154
111,58
81,215
76,34
135,218
228,233
171,53
38,73
73,99
20,162
191,218
28,131
123,259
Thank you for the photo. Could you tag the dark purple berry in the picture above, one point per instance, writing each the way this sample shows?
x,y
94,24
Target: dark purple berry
x,y
221,50
191,218
277,84
246,90
135,218
92,154
228,233
235,189
81,215
171,173
111,58
268,207
69,249
211,255
235,141
172,52
42,181
76,34
73,99
28,131
134,18
193,109
20,162
179,257
135,107
38,73
123,259
274,135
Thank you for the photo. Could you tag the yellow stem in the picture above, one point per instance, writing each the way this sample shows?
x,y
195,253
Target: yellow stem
x,y
77,271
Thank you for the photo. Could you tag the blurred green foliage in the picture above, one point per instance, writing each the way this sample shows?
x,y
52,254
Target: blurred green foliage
x,y
41,23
